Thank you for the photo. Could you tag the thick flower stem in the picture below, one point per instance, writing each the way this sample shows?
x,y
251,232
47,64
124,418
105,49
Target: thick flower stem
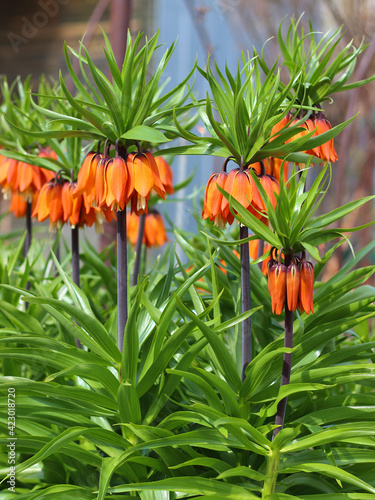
x,y
28,228
122,277
138,248
271,475
28,241
245,300
75,255
75,265
287,363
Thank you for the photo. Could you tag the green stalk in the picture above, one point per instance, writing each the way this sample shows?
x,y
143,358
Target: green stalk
x,y
272,469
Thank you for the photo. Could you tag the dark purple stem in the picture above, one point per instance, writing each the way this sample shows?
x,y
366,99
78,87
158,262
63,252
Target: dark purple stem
x,y
28,228
138,248
75,265
245,300
287,362
75,255
28,240
122,277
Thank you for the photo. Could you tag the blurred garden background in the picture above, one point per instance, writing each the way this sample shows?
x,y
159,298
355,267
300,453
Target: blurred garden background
x,y
32,34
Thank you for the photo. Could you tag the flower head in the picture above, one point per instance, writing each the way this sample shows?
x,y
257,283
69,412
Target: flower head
x,y
277,285
18,204
146,179
154,234
59,202
213,199
293,280
87,176
316,123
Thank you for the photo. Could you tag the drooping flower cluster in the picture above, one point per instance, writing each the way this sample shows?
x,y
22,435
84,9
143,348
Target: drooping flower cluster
x,y
23,178
317,123
240,184
18,204
113,182
154,234
56,202
292,284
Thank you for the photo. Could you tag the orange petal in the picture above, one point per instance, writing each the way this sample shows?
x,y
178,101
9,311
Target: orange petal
x,y
42,208
143,175
100,182
25,176
277,287
166,174
66,200
56,212
87,176
158,185
306,287
116,178
293,280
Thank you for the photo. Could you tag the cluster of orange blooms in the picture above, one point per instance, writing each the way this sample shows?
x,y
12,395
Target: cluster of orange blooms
x,y
113,182
317,123
240,184
293,283
22,182
105,184
56,202
154,234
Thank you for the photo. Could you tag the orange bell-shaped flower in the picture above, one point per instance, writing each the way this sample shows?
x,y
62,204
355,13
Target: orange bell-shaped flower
x,y
8,176
284,122
146,177
42,207
271,187
101,188
277,286
327,150
293,280
240,185
18,204
154,234
132,225
307,287
213,199
116,179
87,176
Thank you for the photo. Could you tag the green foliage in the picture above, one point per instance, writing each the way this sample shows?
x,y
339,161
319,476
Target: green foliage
x,y
176,416
292,224
323,72
128,107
